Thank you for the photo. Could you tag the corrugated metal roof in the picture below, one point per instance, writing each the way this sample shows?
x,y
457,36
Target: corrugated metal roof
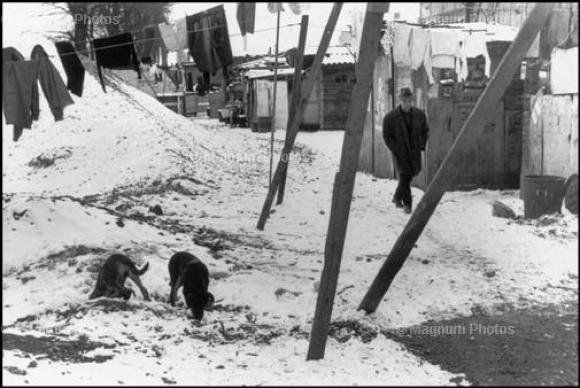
x,y
338,56
335,55
265,61
264,73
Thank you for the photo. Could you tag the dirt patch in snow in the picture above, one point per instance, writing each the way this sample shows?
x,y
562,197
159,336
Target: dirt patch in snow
x,y
344,330
179,184
551,226
67,255
537,347
48,158
54,348
219,334
107,305
217,240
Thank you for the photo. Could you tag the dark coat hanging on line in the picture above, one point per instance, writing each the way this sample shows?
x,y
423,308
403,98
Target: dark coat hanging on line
x,y
246,15
52,84
74,69
116,52
209,40
19,90
150,42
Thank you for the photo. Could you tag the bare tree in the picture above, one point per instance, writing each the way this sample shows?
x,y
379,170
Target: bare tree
x,y
95,19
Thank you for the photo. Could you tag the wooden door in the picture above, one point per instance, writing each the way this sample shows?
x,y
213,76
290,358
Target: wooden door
x,y
512,149
483,157
441,136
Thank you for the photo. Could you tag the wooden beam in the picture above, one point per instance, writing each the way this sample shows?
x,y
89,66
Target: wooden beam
x,y
345,179
294,125
296,95
448,170
273,124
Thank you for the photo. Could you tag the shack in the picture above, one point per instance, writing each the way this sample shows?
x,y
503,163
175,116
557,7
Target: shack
x,y
329,101
550,129
328,105
260,98
256,81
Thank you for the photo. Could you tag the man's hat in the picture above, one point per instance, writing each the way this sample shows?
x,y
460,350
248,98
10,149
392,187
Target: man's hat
x,y
405,92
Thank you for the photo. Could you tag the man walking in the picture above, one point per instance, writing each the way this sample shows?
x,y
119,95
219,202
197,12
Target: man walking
x,y
405,132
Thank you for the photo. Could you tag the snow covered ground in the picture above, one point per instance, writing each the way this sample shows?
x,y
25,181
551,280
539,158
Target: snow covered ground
x,y
78,190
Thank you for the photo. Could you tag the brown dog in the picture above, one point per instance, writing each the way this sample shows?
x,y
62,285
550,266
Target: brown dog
x,y
112,277
188,271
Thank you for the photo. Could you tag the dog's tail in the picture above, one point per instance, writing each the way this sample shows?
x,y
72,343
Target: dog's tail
x,y
142,270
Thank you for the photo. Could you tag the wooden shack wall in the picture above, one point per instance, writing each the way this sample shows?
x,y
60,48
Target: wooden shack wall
x,y
550,144
383,163
337,85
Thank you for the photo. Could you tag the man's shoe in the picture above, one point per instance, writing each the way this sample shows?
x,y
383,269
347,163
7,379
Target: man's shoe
x,y
398,204
407,209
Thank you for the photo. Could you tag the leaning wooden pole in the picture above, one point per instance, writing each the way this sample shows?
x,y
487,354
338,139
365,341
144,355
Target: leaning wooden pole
x,y
448,170
295,101
307,86
345,178
273,126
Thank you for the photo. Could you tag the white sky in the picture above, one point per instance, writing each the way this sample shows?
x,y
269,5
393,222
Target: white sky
x,y
26,24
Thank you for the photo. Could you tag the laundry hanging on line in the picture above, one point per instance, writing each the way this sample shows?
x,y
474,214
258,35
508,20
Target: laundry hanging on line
x,y
74,69
116,52
20,98
174,36
562,80
169,37
246,15
444,47
475,44
296,8
401,52
419,49
275,7
149,43
52,85
209,40
181,33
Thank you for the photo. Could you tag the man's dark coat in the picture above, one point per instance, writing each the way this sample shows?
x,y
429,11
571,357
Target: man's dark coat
x,y
406,145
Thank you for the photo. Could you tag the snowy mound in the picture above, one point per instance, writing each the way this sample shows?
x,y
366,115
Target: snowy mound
x,y
105,139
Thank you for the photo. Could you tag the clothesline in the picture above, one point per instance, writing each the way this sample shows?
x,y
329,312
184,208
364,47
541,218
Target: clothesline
x,y
160,38
558,8
446,25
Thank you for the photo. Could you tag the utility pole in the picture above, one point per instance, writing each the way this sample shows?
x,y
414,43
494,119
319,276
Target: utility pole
x,y
345,178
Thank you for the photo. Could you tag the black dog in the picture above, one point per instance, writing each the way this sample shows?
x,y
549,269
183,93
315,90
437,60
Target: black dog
x,y
112,277
188,271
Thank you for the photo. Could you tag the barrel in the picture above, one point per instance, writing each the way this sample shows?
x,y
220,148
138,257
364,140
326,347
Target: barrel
x,y
542,194
571,194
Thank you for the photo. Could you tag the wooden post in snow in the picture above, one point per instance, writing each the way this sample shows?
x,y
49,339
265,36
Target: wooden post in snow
x,y
294,113
294,125
273,126
447,172
345,178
